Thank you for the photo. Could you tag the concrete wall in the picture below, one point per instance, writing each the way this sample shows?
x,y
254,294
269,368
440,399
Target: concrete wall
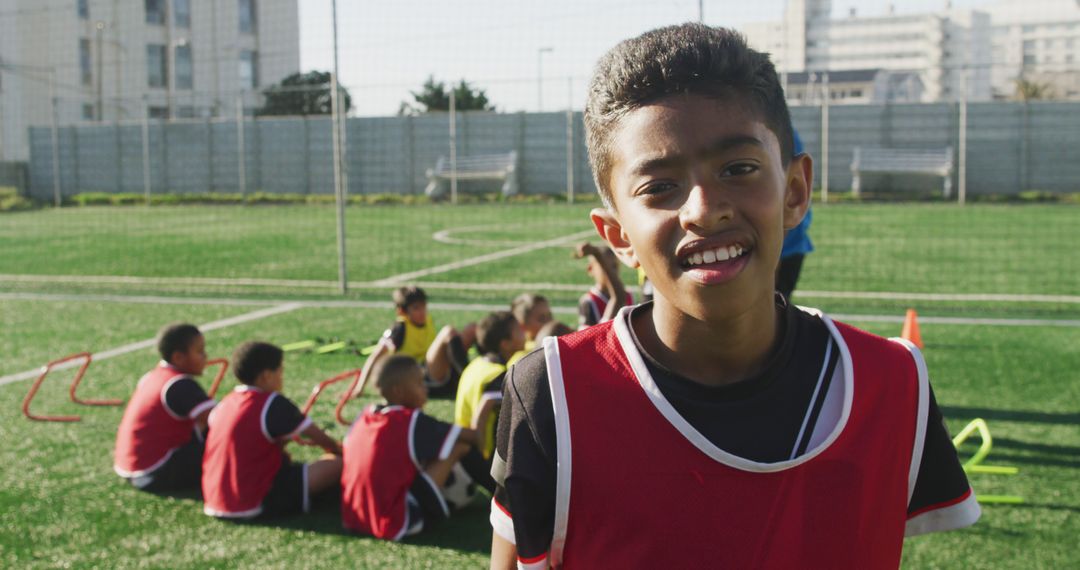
x,y
1011,147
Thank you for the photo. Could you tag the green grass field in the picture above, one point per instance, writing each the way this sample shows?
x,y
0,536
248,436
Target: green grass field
x,y
61,505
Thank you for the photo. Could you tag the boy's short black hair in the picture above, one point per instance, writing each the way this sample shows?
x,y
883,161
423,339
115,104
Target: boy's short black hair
x,y
390,371
524,303
494,329
407,295
688,58
253,357
176,337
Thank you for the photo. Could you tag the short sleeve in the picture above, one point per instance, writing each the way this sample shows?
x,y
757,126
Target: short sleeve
x,y
433,439
395,335
185,398
523,509
942,499
284,419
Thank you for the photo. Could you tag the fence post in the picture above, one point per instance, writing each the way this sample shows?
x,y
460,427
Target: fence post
x,y
569,140
55,142
241,148
961,176
825,139
209,156
146,151
453,148
1025,147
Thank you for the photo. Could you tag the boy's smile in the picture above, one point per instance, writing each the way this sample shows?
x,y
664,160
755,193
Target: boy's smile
x,y
701,200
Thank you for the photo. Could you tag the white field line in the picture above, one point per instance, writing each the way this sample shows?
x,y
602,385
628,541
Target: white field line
x,y
132,347
397,280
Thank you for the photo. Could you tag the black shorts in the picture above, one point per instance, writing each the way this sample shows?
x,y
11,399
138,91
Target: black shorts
x,y
445,388
181,471
288,495
426,504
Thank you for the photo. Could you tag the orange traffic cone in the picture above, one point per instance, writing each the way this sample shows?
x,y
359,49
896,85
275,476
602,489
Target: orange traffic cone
x,y
911,329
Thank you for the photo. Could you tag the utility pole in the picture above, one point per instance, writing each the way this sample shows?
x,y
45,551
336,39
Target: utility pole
x,y
99,28
540,77
701,11
339,187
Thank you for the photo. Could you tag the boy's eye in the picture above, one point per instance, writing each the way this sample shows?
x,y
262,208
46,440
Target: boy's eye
x,y
739,169
657,188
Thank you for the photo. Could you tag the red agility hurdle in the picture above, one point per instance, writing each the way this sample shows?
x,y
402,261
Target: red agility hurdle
x,y
224,362
318,390
86,357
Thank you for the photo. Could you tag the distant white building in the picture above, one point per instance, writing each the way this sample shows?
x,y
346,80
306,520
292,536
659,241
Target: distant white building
x,y
1038,40
948,50
854,87
111,59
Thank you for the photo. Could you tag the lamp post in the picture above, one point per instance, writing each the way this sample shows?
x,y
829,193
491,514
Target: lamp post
x,y
540,76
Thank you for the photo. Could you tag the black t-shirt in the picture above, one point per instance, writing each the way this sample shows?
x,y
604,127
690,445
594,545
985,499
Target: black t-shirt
x,y
185,395
283,418
788,408
396,334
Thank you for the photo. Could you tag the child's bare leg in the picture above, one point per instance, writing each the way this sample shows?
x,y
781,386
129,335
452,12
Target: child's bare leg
x,y
439,470
324,473
448,351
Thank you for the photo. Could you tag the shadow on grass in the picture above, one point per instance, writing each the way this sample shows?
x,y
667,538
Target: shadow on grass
x,y
467,530
1011,415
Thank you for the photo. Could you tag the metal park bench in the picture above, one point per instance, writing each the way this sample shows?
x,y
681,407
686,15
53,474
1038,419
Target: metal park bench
x,y
934,162
480,167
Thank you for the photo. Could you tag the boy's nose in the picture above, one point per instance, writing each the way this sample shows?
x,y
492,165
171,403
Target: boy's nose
x,y
705,208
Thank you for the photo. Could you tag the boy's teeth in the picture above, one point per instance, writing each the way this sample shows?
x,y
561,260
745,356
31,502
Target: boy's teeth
x,y
719,254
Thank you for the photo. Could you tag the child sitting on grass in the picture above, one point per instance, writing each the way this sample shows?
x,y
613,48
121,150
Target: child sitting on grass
x,y
159,444
442,354
608,293
398,459
246,472
499,337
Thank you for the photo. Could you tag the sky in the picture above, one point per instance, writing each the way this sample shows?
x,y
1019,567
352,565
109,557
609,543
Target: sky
x,y
387,49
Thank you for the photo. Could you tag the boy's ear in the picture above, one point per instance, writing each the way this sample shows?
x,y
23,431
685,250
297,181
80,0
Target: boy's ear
x,y
800,180
610,229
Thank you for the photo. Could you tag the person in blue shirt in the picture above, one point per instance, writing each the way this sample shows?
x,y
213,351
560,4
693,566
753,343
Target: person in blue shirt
x,y
796,244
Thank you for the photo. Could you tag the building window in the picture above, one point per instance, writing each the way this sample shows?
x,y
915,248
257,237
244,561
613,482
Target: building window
x,y
157,65
158,112
247,16
84,9
183,79
155,12
185,112
182,13
87,112
1029,59
84,62
249,76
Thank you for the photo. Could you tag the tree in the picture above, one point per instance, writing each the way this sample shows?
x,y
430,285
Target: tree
x,y
1032,90
302,94
433,96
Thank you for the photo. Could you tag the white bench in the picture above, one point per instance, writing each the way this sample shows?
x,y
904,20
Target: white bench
x,y
934,162
480,167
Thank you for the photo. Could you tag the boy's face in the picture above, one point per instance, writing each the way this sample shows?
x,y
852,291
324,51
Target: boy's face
x,y
416,313
193,360
539,316
701,200
515,343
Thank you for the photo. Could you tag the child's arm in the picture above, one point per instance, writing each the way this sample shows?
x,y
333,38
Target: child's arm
x,y
384,348
613,285
471,437
480,420
503,553
317,435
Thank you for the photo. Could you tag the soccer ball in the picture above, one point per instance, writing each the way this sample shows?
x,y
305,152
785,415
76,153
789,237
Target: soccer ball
x,y
459,490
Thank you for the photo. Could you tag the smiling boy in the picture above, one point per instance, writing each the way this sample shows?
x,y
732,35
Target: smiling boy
x,y
717,426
